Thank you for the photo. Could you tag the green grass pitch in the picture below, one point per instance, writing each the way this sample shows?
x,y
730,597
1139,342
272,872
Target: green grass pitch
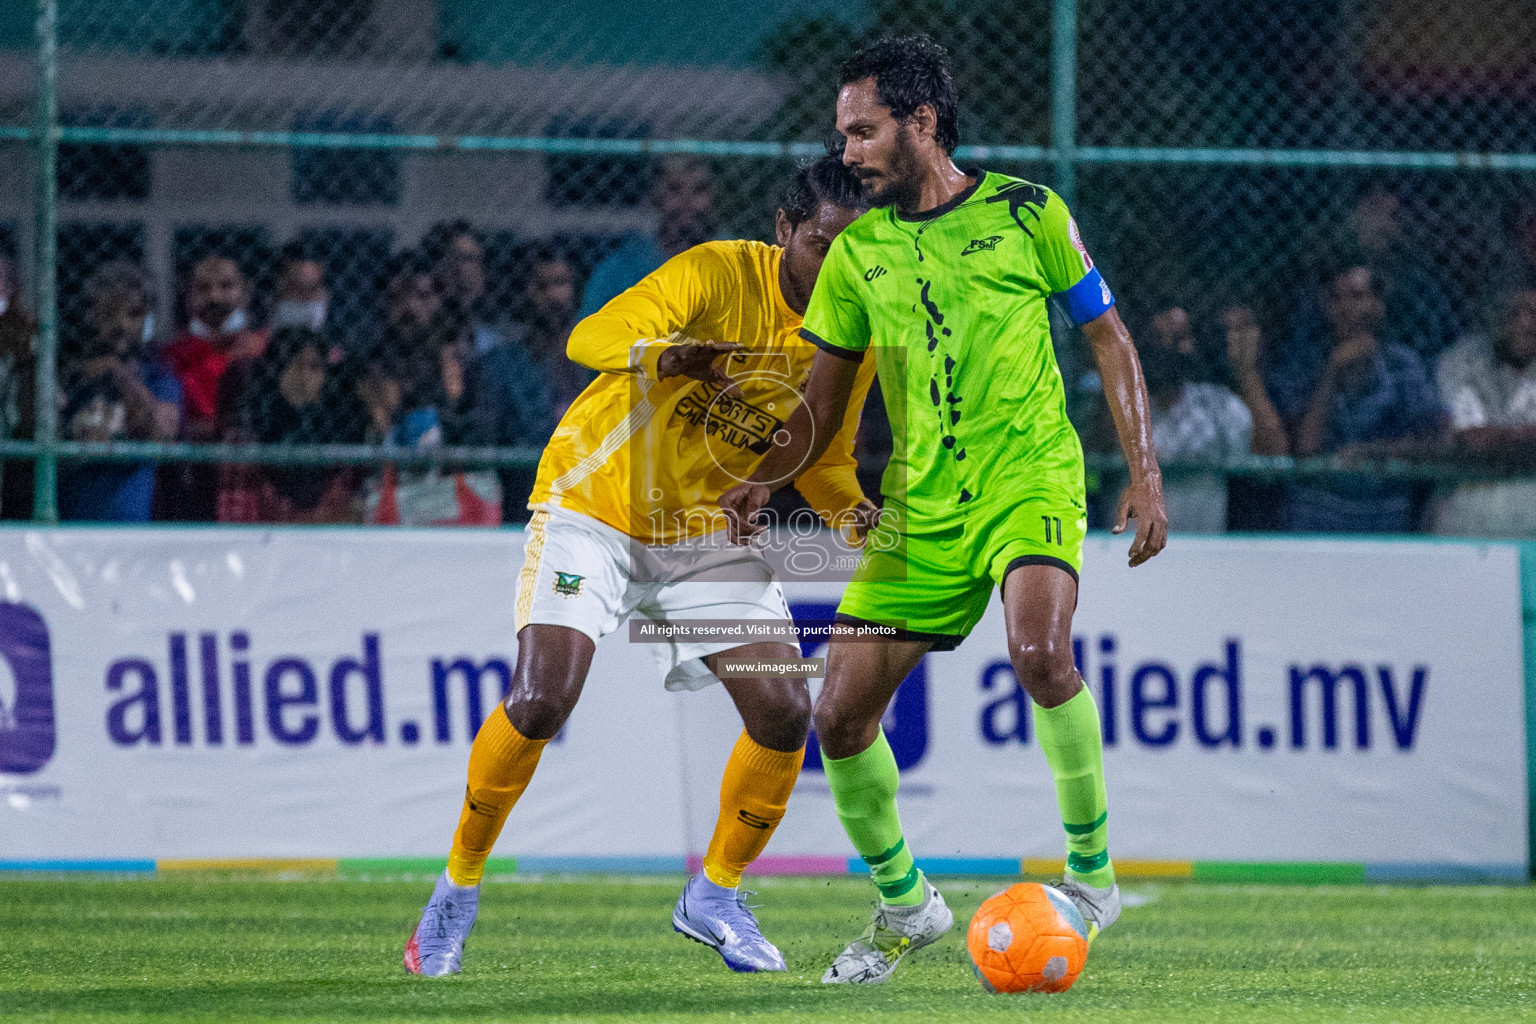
x,y
591,949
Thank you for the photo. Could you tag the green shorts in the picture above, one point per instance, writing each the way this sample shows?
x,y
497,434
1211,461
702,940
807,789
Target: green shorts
x,y
935,585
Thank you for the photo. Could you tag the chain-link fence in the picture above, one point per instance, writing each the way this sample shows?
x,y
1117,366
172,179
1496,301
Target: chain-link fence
x,y
308,251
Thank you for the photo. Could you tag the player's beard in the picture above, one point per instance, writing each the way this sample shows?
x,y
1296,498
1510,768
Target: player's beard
x,y
900,184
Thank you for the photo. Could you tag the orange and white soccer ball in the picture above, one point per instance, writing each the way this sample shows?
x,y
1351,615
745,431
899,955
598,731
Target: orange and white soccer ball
x,y
1030,938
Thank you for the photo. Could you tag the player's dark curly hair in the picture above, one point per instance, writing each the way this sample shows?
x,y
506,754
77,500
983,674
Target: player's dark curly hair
x,y
825,180
908,72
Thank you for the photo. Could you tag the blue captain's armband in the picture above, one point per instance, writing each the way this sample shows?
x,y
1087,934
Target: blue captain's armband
x,y
1087,300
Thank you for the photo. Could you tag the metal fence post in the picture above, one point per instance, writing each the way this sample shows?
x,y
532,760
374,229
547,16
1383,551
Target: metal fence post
x,y
45,508
1064,96
1528,609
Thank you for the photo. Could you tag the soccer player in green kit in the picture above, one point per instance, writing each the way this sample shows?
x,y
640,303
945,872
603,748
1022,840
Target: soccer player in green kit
x,y
947,279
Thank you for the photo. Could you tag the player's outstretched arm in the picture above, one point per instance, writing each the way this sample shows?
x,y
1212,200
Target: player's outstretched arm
x,y
831,484
698,361
799,444
642,331
1125,389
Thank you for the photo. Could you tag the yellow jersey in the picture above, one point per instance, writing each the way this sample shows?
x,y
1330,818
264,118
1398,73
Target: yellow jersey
x,y
651,457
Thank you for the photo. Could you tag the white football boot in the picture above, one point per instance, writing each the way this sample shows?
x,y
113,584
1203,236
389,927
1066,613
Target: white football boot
x,y
892,934
1100,907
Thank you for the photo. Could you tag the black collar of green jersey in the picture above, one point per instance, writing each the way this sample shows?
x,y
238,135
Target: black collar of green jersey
x,y
954,201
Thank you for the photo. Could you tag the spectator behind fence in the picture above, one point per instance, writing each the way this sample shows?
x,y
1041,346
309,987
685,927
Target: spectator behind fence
x,y
1372,397
1174,329
291,394
421,393
1198,421
303,297
17,374
549,303
304,300
219,332
1254,504
529,382
683,197
412,300
1513,261
1418,312
455,251
114,390
1488,385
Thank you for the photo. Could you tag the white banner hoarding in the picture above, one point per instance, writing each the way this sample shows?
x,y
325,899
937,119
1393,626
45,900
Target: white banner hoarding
x,y
217,693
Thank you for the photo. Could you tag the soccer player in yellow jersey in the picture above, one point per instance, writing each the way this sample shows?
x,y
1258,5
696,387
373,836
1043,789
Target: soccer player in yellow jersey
x,y
701,365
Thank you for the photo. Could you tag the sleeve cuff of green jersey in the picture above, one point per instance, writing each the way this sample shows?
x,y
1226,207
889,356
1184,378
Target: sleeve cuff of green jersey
x,y
831,349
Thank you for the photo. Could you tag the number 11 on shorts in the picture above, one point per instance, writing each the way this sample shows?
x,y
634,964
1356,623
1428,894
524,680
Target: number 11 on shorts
x,y
1049,522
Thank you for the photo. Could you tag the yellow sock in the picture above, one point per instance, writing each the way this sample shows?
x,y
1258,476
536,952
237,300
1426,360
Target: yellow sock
x,y
753,794
500,764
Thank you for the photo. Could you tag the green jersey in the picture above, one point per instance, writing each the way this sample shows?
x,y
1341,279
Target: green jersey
x,y
953,301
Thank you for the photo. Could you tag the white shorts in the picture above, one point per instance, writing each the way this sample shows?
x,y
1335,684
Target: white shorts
x,y
584,574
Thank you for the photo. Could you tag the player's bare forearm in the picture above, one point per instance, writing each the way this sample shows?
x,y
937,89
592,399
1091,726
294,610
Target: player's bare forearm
x,y
1245,343
1125,391
1269,437
814,423
802,440
148,418
1312,434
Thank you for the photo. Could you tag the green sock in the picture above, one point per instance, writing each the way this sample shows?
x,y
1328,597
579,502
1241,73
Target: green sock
x,y
1074,748
864,789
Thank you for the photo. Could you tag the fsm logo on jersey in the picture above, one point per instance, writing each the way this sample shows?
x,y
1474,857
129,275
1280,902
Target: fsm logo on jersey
x,y
27,738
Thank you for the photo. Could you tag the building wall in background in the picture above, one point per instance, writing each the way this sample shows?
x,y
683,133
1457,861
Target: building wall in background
x,y
697,33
